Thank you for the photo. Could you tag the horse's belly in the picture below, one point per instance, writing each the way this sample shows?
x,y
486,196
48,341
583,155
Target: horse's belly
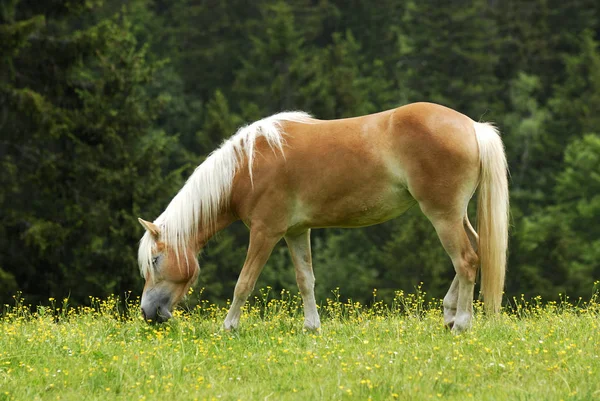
x,y
356,209
375,210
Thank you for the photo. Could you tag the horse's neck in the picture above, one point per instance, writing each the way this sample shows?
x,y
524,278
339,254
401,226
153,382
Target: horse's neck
x,y
204,234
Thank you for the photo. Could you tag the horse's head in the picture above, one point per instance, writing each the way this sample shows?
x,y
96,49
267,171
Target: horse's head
x,y
169,273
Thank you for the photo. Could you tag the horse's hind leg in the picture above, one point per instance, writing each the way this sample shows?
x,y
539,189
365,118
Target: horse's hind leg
x,y
471,233
260,248
457,244
299,246
450,302
451,298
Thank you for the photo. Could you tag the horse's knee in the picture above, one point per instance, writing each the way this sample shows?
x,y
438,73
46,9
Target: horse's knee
x,y
243,290
306,282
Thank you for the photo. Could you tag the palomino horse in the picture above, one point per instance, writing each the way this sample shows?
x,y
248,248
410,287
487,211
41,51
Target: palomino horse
x,y
288,173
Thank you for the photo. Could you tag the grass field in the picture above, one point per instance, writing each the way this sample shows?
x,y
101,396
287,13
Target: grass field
x,y
533,351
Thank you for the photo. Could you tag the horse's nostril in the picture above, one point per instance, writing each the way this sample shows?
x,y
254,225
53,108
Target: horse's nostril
x,y
162,314
144,313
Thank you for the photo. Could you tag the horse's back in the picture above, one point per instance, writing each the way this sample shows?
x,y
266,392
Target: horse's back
x,y
426,124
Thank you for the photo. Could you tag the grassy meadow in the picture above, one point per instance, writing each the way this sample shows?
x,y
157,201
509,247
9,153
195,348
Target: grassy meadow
x,y
532,351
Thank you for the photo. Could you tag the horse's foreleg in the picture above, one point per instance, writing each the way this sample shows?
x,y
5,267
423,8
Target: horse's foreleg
x,y
260,248
299,246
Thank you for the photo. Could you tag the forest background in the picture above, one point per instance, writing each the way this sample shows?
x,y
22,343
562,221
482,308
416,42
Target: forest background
x,y
106,107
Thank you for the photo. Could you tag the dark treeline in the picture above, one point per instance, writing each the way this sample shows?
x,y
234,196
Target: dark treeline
x,y
106,106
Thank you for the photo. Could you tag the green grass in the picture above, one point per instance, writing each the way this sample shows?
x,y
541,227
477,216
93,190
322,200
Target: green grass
x,y
534,351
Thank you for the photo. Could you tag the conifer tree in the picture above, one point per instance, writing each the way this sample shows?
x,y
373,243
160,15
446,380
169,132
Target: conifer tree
x,y
83,157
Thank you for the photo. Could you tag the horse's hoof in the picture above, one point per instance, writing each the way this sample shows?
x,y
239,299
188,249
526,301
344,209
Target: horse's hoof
x,y
229,329
461,325
312,329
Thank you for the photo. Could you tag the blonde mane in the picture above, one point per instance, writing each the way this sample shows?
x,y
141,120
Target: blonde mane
x,y
207,191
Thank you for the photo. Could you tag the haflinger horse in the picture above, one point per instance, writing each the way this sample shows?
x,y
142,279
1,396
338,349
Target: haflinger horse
x,y
288,173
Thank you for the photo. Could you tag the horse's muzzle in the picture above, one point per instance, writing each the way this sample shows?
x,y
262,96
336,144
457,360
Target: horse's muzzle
x,y
156,315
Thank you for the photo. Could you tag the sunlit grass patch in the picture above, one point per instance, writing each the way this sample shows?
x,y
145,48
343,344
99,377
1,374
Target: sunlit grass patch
x,y
396,350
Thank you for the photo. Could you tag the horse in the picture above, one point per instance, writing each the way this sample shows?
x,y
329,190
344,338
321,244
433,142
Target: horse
x,y
288,173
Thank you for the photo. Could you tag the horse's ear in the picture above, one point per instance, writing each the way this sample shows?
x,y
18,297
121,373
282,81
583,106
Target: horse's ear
x,y
150,227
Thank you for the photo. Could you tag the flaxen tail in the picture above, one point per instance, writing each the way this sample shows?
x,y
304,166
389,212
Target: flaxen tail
x,y
492,214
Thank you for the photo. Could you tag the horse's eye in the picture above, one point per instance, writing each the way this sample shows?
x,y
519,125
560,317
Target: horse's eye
x,y
154,261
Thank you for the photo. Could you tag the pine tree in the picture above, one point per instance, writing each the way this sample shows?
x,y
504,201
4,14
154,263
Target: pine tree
x,y
559,243
450,56
83,155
